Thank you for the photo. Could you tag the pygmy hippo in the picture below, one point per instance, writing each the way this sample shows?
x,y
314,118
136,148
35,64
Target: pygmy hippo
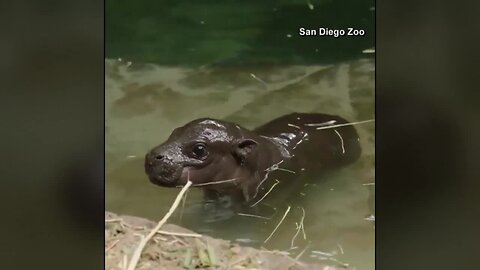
x,y
227,159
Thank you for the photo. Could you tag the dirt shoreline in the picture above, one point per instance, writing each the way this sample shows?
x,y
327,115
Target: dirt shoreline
x,y
175,247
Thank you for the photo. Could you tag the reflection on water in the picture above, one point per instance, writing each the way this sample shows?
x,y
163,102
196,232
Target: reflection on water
x,y
330,215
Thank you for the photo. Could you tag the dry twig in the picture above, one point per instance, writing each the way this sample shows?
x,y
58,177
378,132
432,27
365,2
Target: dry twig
x,y
216,182
299,227
112,220
111,245
179,234
263,197
255,216
342,125
301,253
278,225
138,251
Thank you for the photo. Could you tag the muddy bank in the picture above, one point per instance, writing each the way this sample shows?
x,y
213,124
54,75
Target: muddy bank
x,y
174,247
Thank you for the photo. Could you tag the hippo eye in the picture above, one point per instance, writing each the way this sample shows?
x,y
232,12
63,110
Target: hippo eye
x,y
199,151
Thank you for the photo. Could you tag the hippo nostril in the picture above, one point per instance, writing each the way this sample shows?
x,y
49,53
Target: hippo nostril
x,y
159,157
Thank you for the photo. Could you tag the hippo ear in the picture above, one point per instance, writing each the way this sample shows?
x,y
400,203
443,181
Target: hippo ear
x,y
244,148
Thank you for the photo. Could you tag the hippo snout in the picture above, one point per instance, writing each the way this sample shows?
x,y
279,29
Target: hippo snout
x,y
152,160
161,169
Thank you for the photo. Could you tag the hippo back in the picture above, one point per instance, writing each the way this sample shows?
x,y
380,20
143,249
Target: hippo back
x,y
310,144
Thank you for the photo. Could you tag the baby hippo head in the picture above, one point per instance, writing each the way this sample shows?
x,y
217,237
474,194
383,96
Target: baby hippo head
x,y
202,151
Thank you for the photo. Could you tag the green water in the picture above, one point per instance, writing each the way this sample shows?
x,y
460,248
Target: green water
x,y
200,33
236,61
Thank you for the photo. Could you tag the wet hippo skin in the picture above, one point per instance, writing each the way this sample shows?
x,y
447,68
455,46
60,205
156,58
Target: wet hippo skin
x,y
206,151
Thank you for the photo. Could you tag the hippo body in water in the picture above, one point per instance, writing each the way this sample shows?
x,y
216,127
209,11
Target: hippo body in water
x,y
229,160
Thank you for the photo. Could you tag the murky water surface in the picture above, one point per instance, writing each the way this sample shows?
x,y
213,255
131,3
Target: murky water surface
x,y
145,102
